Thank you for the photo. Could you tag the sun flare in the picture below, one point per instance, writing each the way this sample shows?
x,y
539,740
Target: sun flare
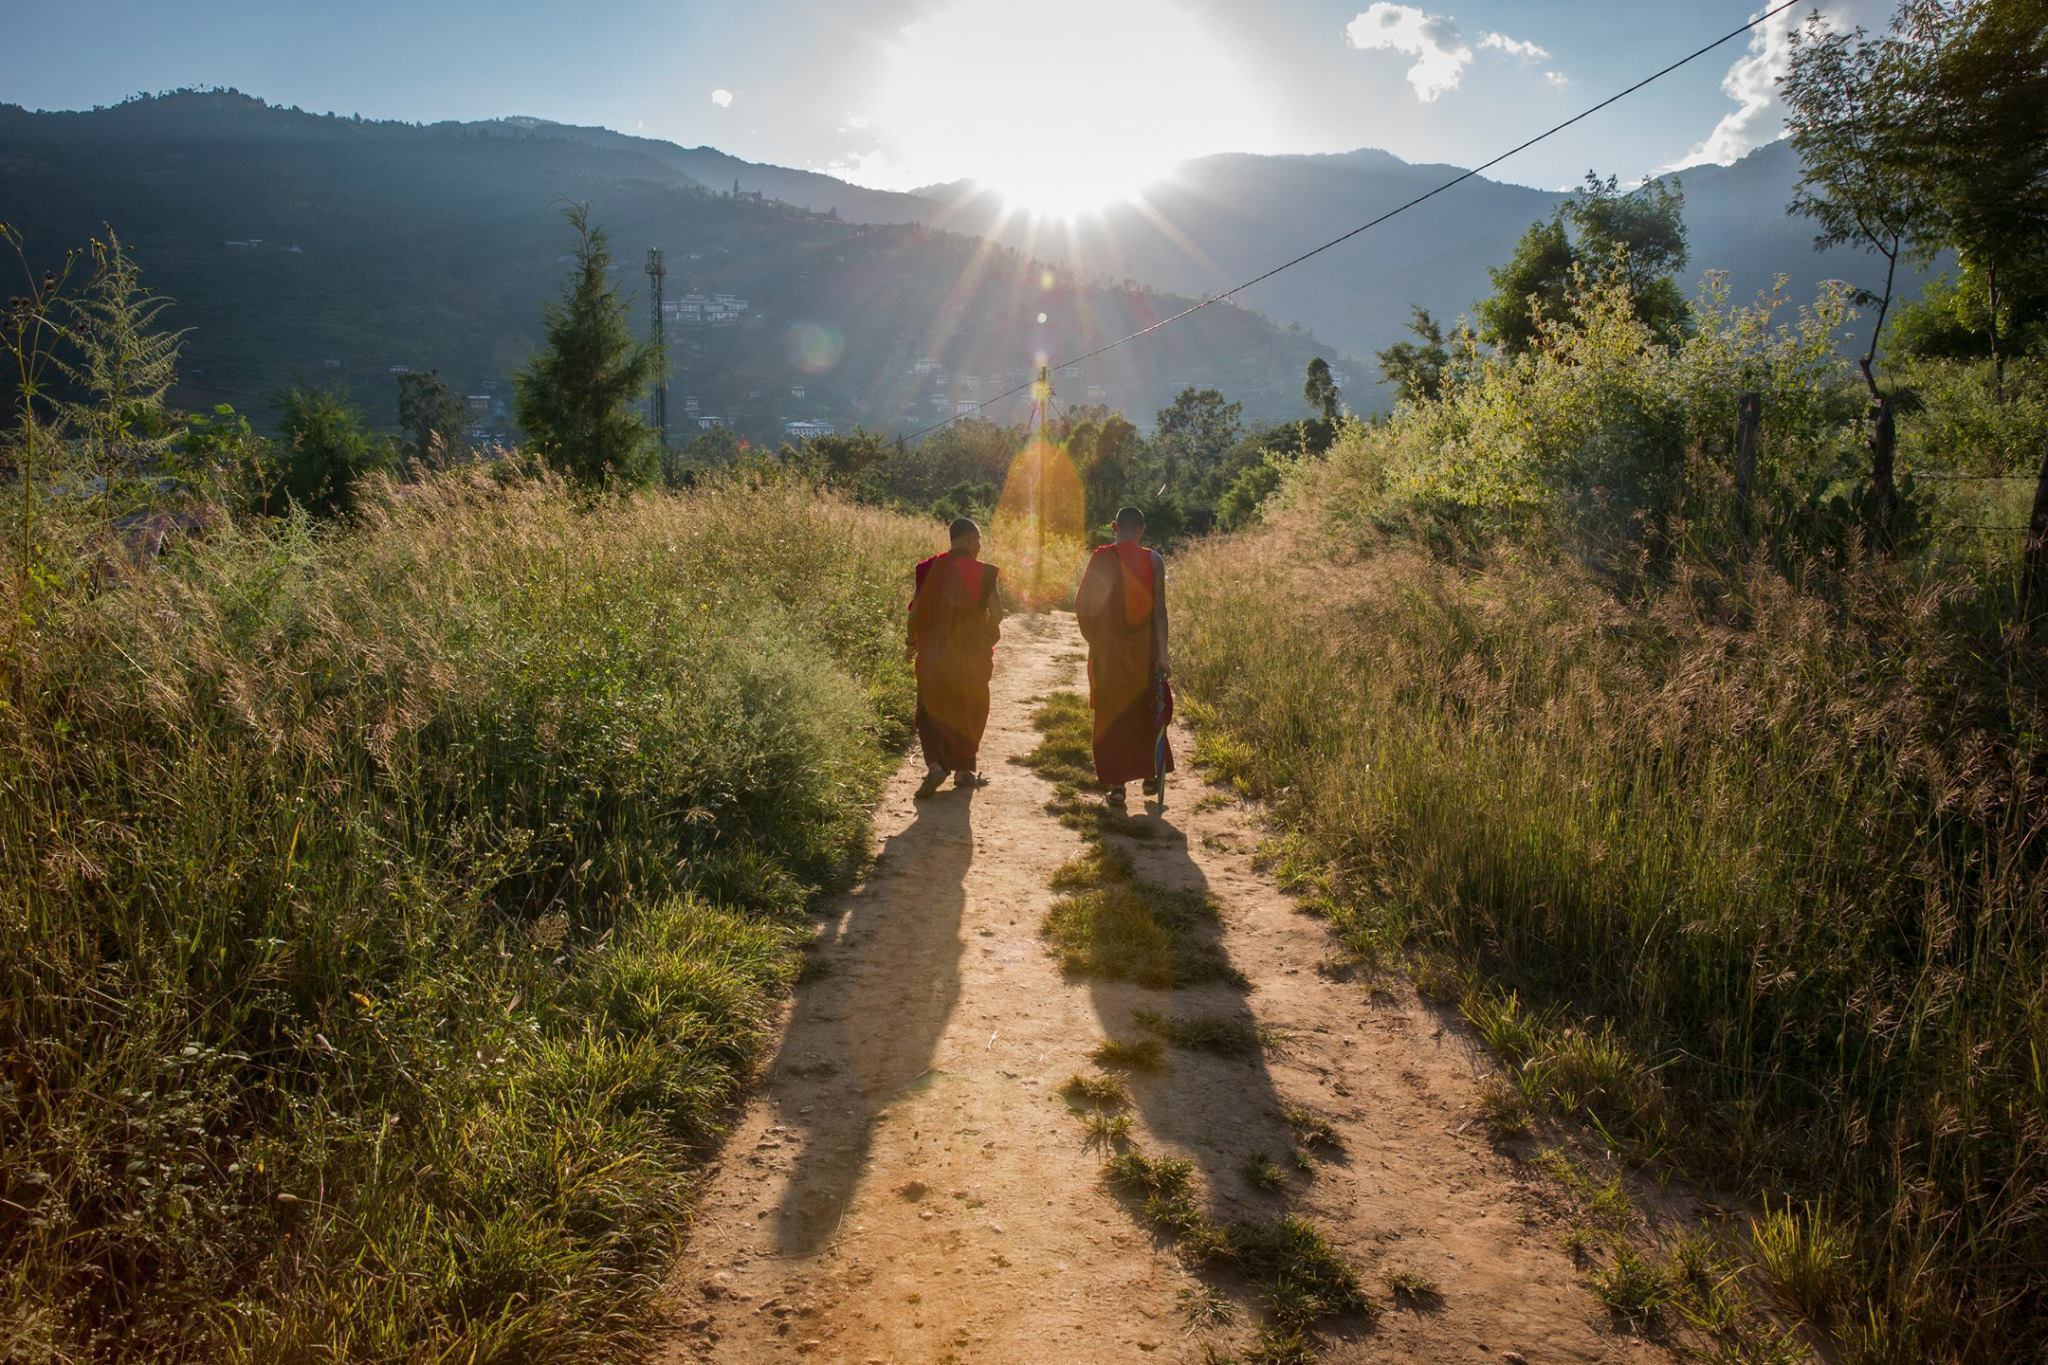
x,y
1065,105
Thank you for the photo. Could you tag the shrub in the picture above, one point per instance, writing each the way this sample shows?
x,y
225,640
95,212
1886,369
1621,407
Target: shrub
x,y
1753,856
387,913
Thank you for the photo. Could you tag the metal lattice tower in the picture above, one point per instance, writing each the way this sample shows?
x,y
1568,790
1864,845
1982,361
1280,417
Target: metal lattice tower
x,y
656,273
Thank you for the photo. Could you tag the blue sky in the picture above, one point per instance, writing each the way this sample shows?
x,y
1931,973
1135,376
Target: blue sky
x,y
851,86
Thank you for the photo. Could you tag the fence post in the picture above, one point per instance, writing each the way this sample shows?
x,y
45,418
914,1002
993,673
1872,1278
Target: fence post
x,y
2034,556
1884,491
1749,410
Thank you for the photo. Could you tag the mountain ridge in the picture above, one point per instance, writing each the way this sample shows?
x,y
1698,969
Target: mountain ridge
x,y
304,247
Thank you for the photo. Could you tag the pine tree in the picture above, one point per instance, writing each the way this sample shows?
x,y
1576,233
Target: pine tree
x,y
577,400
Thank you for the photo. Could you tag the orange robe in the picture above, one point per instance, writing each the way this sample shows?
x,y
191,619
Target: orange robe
x,y
953,628
1117,606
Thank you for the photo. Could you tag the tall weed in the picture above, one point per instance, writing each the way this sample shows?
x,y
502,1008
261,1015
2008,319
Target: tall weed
x,y
387,913
1784,847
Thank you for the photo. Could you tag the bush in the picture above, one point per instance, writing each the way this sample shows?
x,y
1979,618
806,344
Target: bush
x,y
387,914
1602,428
1786,847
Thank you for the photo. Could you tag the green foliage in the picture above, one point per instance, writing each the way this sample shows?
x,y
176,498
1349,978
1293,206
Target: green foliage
x,y
1636,240
578,400
325,449
1749,859
1416,368
1319,391
1931,135
434,420
121,363
1111,457
1239,506
1951,320
708,453
1190,447
1529,288
1595,424
430,879
843,458
1980,147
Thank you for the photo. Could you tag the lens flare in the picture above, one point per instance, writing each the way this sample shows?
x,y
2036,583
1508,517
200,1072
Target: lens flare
x,y
1041,523
813,347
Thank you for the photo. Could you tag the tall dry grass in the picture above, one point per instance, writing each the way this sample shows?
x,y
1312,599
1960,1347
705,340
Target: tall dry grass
x,y
387,914
1784,847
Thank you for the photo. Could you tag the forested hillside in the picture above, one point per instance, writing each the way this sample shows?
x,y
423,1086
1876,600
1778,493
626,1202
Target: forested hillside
x,y
329,249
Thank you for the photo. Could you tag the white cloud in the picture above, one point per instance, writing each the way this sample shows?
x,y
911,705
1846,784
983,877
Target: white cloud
x,y
1758,118
1439,54
1557,79
1515,47
722,98
856,121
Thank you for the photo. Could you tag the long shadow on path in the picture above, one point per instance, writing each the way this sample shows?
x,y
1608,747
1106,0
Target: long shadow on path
x,y
864,1034
1220,1111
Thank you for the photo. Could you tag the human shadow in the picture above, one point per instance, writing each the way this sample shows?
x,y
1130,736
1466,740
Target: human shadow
x,y
864,1030
1220,1109
1217,1106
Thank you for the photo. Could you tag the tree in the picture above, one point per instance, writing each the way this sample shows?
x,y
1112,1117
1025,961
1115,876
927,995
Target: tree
x,y
1110,455
1530,289
326,448
434,419
844,458
1640,237
1951,318
1194,437
1416,368
578,399
1320,391
1637,236
1980,147
122,362
1847,96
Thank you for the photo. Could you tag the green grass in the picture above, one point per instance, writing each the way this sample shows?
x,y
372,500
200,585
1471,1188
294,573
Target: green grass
x,y
1224,1035
389,914
1312,1131
1139,932
1301,1279
1065,757
1631,1285
1746,866
1102,1091
1131,1054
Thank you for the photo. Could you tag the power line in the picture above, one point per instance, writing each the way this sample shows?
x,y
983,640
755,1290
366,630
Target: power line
x,y
1453,182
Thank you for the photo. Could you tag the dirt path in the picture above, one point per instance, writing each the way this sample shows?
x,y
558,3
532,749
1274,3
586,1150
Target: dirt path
x,y
908,1186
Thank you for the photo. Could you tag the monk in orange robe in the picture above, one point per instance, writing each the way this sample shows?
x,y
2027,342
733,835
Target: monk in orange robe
x,y
1122,609
955,620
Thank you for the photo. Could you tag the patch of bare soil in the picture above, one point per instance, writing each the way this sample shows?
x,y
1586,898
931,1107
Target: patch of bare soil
x,y
908,1185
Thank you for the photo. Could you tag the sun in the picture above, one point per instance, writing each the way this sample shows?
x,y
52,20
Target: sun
x,y
1062,106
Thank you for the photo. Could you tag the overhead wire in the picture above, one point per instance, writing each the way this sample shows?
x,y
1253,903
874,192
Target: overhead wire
x,y
1452,183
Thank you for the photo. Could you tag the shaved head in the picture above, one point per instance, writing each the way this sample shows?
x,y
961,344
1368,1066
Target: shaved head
x,y
964,527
